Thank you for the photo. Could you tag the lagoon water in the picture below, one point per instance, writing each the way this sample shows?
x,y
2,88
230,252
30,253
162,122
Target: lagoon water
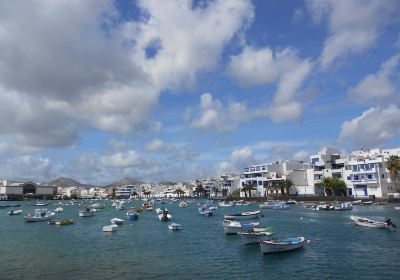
x,y
146,249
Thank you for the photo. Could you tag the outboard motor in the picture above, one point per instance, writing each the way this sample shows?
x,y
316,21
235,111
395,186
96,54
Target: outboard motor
x,y
388,221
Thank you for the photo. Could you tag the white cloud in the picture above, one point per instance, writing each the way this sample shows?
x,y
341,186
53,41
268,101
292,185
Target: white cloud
x,y
117,144
260,66
213,115
302,155
380,85
242,157
121,159
373,128
354,26
158,145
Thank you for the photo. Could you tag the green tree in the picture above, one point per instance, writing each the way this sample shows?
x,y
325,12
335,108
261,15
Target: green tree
x,y
235,193
224,192
285,186
334,186
179,192
216,190
200,190
393,165
248,188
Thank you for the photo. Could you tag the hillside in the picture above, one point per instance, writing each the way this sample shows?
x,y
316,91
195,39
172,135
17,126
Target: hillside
x,y
127,181
65,182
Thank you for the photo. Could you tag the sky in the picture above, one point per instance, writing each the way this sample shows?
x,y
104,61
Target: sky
x,y
99,90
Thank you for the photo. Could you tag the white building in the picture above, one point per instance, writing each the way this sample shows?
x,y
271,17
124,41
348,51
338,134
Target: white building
x,y
127,191
367,175
19,190
266,178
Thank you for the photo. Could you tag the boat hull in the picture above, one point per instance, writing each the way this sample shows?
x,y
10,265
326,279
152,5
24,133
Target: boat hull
x,y
242,216
270,247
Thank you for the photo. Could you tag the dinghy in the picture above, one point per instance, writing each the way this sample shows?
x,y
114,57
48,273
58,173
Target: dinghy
x,y
282,245
132,215
15,212
116,221
234,227
174,226
110,228
39,215
254,237
242,216
365,222
165,216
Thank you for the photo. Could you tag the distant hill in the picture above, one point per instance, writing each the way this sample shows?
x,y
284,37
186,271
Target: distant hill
x,y
65,182
127,181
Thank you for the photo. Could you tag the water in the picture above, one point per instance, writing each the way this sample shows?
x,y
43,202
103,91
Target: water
x,y
146,249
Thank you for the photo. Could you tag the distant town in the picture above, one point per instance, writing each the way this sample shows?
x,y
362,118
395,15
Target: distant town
x,y
363,173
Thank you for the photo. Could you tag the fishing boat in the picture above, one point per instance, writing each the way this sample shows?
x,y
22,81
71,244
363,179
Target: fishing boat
x,y
357,202
15,212
183,204
116,221
365,222
59,210
174,226
39,215
132,215
165,216
233,227
88,212
243,215
254,237
282,245
110,228
343,206
205,211
64,222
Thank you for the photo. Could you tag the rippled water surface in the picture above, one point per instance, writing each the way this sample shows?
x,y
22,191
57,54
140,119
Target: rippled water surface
x,y
146,249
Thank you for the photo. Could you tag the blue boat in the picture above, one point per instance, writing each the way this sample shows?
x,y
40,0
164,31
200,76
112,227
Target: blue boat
x,y
3,206
132,215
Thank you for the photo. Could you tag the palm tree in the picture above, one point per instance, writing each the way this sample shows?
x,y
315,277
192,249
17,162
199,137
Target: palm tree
x,y
393,165
288,185
334,186
179,192
200,190
244,189
248,188
326,183
216,191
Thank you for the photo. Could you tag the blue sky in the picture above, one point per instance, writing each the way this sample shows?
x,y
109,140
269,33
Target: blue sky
x,y
179,90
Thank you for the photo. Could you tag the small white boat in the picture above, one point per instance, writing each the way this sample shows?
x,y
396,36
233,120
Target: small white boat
x,y
165,216
343,206
64,222
120,206
234,227
282,206
205,211
357,202
116,221
225,204
381,203
269,204
365,222
255,237
291,201
59,210
97,206
88,212
110,228
183,204
242,216
159,210
15,212
282,245
367,202
397,208
174,226
39,215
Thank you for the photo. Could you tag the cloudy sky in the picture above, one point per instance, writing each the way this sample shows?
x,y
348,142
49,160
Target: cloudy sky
x,y
176,90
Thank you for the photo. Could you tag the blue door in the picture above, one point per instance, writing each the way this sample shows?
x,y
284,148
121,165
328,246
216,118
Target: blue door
x,y
350,191
366,191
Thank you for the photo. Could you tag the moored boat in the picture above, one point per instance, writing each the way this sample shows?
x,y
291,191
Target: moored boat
x,y
64,222
205,211
59,210
110,228
357,202
116,221
282,245
243,215
132,215
88,212
254,237
15,212
183,204
174,226
343,206
165,216
234,227
365,222
39,215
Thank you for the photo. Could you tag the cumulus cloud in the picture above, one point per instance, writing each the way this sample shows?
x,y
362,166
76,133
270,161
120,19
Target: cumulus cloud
x,y
373,128
302,155
379,86
260,66
351,32
213,115
121,159
158,145
74,63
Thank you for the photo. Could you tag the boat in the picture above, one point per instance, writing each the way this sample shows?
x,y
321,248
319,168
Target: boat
x,y
282,245
59,210
120,206
88,212
381,203
243,215
165,216
116,221
357,202
343,206
365,222
14,205
4,206
64,222
205,211
39,204
269,204
367,202
291,201
225,204
325,207
110,228
183,204
255,237
159,210
397,208
233,227
98,206
15,212
132,215
39,215
174,226
281,206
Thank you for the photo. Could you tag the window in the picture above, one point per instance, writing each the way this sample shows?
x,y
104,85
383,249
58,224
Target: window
x,y
383,176
356,177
